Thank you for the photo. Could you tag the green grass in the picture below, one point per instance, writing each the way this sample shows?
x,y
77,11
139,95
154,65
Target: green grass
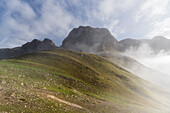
x,y
80,78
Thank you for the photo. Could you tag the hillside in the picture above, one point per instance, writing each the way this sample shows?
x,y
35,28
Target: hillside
x,y
67,81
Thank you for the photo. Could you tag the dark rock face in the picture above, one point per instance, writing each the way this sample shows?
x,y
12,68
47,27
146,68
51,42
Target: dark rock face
x,y
38,45
33,46
88,39
157,44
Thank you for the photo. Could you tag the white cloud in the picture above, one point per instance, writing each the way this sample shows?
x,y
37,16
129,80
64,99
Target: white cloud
x,y
114,28
155,14
106,8
109,9
160,28
152,10
54,18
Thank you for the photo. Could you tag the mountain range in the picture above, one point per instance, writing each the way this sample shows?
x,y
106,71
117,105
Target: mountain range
x,y
99,41
89,72
89,40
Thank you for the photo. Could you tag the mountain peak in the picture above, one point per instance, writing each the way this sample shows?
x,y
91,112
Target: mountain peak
x,y
47,40
159,38
89,39
39,45
82,27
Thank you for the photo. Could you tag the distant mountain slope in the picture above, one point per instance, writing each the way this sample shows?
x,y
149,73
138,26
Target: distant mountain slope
x,y
68,81
88,39
35,45
132,65
157,44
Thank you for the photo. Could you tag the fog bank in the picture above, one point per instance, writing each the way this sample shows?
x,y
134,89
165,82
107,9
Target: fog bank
x,y
158,62
145,55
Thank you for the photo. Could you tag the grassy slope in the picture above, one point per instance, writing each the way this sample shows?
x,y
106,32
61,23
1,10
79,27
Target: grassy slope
x,y
84,79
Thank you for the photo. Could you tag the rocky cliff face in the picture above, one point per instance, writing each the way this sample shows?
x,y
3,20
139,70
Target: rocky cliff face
x,y
38,45
33,46
88,39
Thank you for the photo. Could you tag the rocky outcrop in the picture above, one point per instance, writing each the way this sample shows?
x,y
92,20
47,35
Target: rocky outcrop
x,y
88,39
33,46
37,45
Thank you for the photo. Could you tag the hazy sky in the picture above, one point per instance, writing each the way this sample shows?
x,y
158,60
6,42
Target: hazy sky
x,y
24,20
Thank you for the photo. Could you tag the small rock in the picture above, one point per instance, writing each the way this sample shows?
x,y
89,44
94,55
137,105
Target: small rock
x,y
3,82
13,94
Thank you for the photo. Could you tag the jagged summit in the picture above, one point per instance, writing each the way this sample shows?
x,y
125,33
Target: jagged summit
x,y
32,44
89,39
39,45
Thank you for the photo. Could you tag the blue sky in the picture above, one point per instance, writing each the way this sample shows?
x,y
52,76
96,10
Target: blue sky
x,y
24,20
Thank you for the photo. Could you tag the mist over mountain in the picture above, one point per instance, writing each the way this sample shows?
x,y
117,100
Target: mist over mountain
x,y
99,41
91,40
157,44
88,39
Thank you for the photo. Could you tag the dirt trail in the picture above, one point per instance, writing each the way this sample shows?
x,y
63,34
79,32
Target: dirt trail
x,y
63,101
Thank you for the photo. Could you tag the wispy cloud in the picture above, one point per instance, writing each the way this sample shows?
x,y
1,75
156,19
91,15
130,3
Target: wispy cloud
x,y
160,28
156,13
152,10
21,23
